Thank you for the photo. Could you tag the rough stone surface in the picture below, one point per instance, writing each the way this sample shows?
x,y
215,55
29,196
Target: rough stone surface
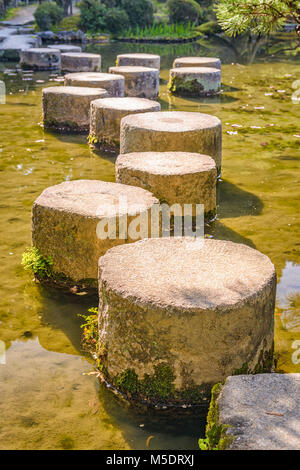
x,y
40,58
67,108
175,131
202,308
138,59
263,411
65,47
195,81
141,82
80,62
173,177
65,219
106,115
113,84
197,62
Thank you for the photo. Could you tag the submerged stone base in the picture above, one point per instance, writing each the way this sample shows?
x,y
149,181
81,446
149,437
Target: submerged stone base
x,y
143,60
140,82
80,62
197,62
67,109
173,177
176,315
106,115
257,412
113,84
65,227
175,131
194,81
40,58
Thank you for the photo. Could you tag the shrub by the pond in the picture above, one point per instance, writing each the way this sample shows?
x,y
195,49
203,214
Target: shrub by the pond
x,y
182,11
140,12
116,20
47,15
92,16
162,31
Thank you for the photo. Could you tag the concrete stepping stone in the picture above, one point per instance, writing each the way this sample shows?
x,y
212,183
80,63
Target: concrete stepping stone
x,y
172,177
106,115
65,220
65,47
177,315
80,62
258,412
40,58
197,62
141,82
143,60
67,109
194,81
113,84
175,131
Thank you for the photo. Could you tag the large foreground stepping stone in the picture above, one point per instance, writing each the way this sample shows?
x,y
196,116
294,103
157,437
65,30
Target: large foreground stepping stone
x,y
177,315
258,412
113,84
197,62
40,58
106,115
141,82
173,177
195,81
175,131
65,47
80,62
143,60
65,226
67,109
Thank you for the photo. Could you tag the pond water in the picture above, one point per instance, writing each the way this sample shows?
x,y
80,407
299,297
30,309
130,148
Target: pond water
x,y
47,400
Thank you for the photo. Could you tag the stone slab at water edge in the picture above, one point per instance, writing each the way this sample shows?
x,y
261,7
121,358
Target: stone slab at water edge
x,y
67,109
106,115
197,62
40,58
65,47
113,84
172,177
65,227
143,60
259,412
177,315
175,131
194,81
140,82
80,62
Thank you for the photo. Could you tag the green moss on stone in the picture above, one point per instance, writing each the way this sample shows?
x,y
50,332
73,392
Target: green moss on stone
x,y
184,86
40,265
264,364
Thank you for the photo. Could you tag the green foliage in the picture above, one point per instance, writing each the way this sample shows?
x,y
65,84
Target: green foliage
x,y
92,16
70,23
116,20
128,381
47,15
259,17
162,31
160,384
183,11
90,334
4,4
34,261
140,12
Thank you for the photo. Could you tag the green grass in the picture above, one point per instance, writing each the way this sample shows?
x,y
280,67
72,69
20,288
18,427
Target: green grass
x,y
162,31
10,13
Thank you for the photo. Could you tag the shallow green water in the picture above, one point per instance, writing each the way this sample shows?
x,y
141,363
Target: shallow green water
x,y
46,401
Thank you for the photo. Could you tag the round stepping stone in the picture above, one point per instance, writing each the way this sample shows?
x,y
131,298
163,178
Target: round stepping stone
x,y
197,62
143,60
175,131
40,58
173,177
67,109
141,82
66,47
113,84
69,220
80,62
106,115
177,315
195,81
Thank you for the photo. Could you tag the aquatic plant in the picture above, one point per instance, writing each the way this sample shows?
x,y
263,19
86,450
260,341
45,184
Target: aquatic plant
x,y
162,31
34,261
90,334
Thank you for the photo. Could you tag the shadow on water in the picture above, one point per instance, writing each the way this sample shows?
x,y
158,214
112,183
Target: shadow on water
x,y
219,231
235,202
